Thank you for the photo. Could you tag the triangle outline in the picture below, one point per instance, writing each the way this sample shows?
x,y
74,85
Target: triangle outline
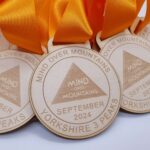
x,y
72,79
130,71
10,83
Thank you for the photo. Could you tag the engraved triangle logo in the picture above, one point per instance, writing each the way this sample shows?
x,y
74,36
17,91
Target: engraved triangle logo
x,y
77,86
10,85
134,69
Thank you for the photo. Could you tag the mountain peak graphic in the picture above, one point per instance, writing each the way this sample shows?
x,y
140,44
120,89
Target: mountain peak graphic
x,y
134,69
77,86
10,85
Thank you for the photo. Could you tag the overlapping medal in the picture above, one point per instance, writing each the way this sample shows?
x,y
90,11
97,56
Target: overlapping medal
x,y
130,55
16,69
74,91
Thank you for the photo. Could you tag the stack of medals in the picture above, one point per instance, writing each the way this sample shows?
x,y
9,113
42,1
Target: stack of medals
x,y
74,91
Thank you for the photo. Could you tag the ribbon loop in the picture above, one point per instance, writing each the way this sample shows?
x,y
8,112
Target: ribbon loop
x,y
73,26
57,9
95,10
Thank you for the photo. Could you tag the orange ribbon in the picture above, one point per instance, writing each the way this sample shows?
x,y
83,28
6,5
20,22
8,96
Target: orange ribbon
x,y
95,10
30,23
119,15
73,25
146,20
57,9
24,23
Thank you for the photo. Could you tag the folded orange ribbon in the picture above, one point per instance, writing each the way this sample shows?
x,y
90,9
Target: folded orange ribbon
x,y
72,24
30,23
57,9
24,23
95,11
118,16
111,17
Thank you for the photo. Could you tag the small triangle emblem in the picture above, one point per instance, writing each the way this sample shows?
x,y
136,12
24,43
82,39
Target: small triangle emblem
x,y
10,85
77,86
134,69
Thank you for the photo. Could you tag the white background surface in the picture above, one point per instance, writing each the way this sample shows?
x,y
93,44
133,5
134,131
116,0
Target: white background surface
x,y
128,132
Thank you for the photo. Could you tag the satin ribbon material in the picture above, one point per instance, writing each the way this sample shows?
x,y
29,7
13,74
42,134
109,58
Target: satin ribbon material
x,y
30,23
119,15
73,26
57,9
95,10
146,20
24,23
42,13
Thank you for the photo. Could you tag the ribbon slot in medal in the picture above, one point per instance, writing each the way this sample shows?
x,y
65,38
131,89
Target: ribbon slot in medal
x,y
130,56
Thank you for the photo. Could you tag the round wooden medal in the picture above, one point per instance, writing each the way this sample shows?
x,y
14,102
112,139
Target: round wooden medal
x,y
16,69
75,93
130,56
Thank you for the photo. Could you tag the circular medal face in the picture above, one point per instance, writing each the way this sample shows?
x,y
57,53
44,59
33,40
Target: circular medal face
x,y
16,69
75,93
130,56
